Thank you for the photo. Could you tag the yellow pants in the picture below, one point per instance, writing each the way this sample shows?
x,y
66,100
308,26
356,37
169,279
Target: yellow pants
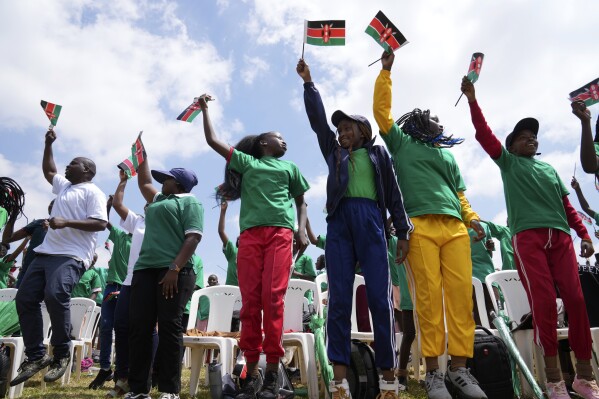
x,y
439,270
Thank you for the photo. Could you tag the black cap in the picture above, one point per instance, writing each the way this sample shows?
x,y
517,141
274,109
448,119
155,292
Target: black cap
x,y
339,115
524,124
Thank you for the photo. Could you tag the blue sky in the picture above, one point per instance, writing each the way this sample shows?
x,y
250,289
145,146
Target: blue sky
x,y
123,66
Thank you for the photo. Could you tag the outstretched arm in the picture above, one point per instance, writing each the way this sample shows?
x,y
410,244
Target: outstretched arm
x,y
382,94
221,223
575,223
20,248
217,145
484,134
119,195
48,165
8,235
588,157
583,201
144,181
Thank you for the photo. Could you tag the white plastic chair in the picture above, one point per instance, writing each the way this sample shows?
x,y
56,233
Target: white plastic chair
x,y
481,306
293,320
92,327
355,334
16,346
321,297
222,303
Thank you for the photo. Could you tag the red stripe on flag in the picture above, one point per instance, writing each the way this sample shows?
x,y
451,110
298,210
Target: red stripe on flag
x,y
130,166
334,32
188,113
377,25
139,150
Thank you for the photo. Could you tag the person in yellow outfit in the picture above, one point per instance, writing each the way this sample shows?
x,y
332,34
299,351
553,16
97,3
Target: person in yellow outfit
x,y
438,264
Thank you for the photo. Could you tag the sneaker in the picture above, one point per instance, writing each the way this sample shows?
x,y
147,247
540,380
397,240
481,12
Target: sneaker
x,y
402,382
465,383
388,390
250,388
586,389
169,396
121,387
133,395
270,386
101,378
434,384
557,390
29,368
57,369
339,390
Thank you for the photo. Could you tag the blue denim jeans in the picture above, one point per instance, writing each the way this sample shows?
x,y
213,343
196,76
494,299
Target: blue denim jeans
x,y
107,324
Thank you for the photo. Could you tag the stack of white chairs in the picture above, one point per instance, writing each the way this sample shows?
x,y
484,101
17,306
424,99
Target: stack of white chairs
x,y
293,321
15,345
222,303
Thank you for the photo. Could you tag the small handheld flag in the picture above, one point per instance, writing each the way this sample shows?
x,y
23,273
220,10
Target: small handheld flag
x,y
324,33
52,112
382,30
588,93
138,155
585,218
476,63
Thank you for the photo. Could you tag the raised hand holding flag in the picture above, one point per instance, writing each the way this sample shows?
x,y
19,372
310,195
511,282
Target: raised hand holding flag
x,y
52,112
138,155
476,63
589,93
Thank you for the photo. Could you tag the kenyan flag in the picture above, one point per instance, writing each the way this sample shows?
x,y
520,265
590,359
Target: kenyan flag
x,y
385,33
585,218
138,155
588,93
476,63
325,33
190,112
52,111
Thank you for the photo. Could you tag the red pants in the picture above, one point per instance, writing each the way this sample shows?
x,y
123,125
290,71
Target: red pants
x,y
545,259
264,264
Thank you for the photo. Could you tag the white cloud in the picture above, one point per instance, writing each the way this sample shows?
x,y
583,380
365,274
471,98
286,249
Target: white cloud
x,y
318,188
253,67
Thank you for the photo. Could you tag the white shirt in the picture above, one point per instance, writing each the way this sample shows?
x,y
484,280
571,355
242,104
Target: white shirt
x,y
136,225
79,202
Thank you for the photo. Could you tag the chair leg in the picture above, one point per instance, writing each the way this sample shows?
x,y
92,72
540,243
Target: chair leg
x,y
197,358
524,341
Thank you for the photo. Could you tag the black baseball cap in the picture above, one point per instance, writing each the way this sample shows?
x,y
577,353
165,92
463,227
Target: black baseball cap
x,y
339,115
524,124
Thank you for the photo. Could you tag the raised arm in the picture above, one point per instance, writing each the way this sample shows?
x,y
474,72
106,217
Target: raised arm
x,y
119,195
583,202
222,148
484,135
48,165
315,110
221,223
383,96
588,156
9,235
17,252
144,181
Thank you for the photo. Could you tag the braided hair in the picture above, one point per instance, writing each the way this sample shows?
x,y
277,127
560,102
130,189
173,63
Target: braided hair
x,y
12,197
417,125
367,133
230,189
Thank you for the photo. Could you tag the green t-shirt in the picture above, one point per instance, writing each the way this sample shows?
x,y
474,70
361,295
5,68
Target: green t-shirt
x,y
482,263
428,176
321,242
168,220
398,276
503,234
596,145
3,217
117,265
102,275
230,251
304,265
198,268
88,284
268,189
361,176
4,271
596,217
533,193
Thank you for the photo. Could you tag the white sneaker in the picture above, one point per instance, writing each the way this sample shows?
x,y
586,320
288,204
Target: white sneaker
x,y
169,396
339,390
388,390
556,390
465,382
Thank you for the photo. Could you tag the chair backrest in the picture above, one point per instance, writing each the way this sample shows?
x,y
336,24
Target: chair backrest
x,y
294,304
222,303
7,294
321,296
481,306
82,310
358,281
93,324
516,301
45,320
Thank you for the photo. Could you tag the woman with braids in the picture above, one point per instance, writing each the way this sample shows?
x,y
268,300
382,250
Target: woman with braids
x,y
438,265
541,217
361,187
267,187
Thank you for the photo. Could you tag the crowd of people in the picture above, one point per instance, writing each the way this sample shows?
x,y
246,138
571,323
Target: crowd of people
x,y
397,214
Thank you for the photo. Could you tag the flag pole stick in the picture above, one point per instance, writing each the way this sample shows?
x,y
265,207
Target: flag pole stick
x,y
456,103
303,46
372,63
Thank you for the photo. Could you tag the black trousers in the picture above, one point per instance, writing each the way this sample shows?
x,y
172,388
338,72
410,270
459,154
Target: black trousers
x,y
147,307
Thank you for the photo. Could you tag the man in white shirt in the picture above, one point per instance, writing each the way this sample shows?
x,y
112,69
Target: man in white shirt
x,y
78,214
